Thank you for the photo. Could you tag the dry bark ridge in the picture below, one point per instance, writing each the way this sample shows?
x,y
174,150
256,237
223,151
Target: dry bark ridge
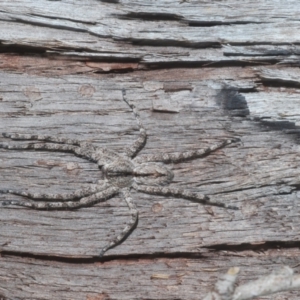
x,y
199,72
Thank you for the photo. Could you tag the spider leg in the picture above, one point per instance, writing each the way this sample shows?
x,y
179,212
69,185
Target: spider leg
x,y
129,227
140,142
83,202
84,150
41,146
179,193
176,157
73,196
38,137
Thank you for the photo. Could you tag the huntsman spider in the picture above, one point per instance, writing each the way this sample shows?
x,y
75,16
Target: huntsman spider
x,y
122,172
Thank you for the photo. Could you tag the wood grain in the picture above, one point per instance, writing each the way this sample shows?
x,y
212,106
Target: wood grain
x,y
198,73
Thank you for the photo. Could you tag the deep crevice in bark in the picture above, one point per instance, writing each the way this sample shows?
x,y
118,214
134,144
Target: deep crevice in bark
x,y
278,82
220,23
144,16
93,259
264,246
209,64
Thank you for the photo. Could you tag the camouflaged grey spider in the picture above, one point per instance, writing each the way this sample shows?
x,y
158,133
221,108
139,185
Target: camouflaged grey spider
x,y
146,173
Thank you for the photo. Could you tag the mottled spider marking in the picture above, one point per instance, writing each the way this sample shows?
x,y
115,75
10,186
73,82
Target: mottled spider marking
x,y
146,173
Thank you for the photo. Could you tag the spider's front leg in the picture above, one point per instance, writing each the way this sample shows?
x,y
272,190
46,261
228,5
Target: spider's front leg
x,y
179,193
176,157
84,149
91,200
73,196
125,193
40,146
140,142
39,137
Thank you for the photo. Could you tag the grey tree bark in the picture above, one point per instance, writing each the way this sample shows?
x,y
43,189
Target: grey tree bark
x,y
199,72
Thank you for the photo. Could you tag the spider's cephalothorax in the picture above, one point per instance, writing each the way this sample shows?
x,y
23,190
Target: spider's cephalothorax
x,y
122,172
119,173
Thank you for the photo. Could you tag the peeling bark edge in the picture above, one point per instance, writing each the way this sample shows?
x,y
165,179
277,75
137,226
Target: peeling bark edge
x,y
232,101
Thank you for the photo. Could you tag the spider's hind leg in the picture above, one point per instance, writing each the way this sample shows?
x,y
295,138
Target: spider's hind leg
x,y
125,193
179,193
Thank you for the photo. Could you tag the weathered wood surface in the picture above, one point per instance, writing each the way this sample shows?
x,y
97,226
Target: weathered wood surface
x,y
138,278
65,86
196,33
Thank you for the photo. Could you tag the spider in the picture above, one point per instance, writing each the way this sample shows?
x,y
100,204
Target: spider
x,y
122,172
